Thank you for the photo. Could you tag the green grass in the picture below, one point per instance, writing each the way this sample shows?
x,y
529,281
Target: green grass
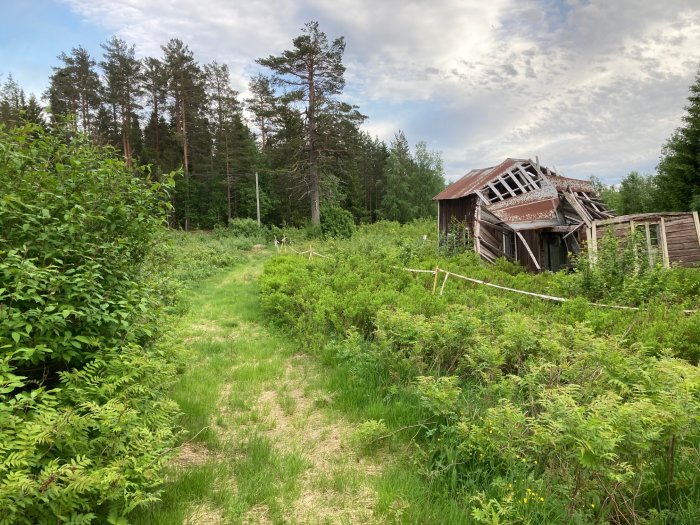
x,y
226,349
245,468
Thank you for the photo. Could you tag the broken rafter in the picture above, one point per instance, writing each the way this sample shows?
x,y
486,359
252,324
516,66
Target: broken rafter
x,y
495,191
528,177
502,180
576,205
510,173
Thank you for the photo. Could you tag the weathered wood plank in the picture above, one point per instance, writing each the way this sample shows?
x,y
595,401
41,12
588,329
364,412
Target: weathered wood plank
x,y
527,247
576,205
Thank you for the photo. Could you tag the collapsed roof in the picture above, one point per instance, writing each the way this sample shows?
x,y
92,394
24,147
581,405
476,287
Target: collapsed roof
x,y
527,196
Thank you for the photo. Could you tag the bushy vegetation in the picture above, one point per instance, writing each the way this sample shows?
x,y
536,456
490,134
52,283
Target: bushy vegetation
x,y
531,411
85,423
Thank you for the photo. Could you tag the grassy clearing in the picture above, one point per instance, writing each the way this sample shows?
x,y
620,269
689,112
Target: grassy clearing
x,y
271,433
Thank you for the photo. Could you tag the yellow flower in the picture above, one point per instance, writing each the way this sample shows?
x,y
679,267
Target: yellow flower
x,y
592,505
535,462
510,485
541,499
524,500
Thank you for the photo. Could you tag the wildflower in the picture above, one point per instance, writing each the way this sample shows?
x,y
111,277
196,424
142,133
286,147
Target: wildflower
x,y
524,500
592,505
535,462
541,499
510,485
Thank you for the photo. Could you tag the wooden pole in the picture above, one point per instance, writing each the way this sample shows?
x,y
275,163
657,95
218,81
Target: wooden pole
x,y
437,271
257,196
664,243
442,288
696,220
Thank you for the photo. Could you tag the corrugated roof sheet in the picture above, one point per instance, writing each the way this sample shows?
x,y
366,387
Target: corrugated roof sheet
x,y
475,180
561,183
543,210
533,209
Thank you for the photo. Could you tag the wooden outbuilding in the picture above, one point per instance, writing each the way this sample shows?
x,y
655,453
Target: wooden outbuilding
x,y
529,213
671,238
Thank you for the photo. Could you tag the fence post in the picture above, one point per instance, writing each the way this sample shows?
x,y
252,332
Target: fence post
x,y
437,270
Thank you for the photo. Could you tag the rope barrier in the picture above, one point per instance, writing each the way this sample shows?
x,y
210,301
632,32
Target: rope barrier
x,y
437,270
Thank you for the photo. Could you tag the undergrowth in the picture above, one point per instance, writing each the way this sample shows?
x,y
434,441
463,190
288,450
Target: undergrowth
x,y
521,410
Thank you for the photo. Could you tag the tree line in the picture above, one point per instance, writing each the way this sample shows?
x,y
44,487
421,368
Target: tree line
x,y
173,113
675,186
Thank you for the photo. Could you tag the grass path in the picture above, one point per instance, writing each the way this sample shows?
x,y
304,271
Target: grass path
x,y
267,448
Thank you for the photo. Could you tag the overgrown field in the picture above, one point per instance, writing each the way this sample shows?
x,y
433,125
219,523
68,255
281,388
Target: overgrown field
x,y
530,411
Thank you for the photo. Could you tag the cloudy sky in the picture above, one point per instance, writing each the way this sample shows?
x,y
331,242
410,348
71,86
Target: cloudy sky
x,y
593,87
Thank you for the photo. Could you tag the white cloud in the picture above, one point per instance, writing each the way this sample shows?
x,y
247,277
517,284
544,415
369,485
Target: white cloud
x,y
593,87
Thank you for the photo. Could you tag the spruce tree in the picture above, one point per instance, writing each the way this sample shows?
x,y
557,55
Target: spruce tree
x,y
678,177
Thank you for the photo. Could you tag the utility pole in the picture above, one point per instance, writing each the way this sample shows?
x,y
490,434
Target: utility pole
x,y
257,196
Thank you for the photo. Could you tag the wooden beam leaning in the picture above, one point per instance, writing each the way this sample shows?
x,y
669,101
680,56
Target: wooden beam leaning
x,y
531,182
576,205
481,196
477,228
527,247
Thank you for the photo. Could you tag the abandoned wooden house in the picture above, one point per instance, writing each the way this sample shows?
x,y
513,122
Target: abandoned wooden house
x,y
528,213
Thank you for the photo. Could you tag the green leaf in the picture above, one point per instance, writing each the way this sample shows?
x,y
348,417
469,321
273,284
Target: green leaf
x,y
16,336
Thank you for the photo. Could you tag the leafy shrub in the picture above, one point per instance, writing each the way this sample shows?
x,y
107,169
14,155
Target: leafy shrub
x,y
85,425
337,222
244,227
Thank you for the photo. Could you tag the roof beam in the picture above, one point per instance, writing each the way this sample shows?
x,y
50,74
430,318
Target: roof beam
x,y
493,189
506,186
514,178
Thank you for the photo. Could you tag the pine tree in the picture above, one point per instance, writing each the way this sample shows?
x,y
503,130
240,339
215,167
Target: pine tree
x,y
74,89
154,84
224,109
122,89
263,105
11,102
186,93
411,181
313,75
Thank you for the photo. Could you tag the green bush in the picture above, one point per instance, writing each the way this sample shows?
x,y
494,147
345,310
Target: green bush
x,y
85,424
337,222
244,228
